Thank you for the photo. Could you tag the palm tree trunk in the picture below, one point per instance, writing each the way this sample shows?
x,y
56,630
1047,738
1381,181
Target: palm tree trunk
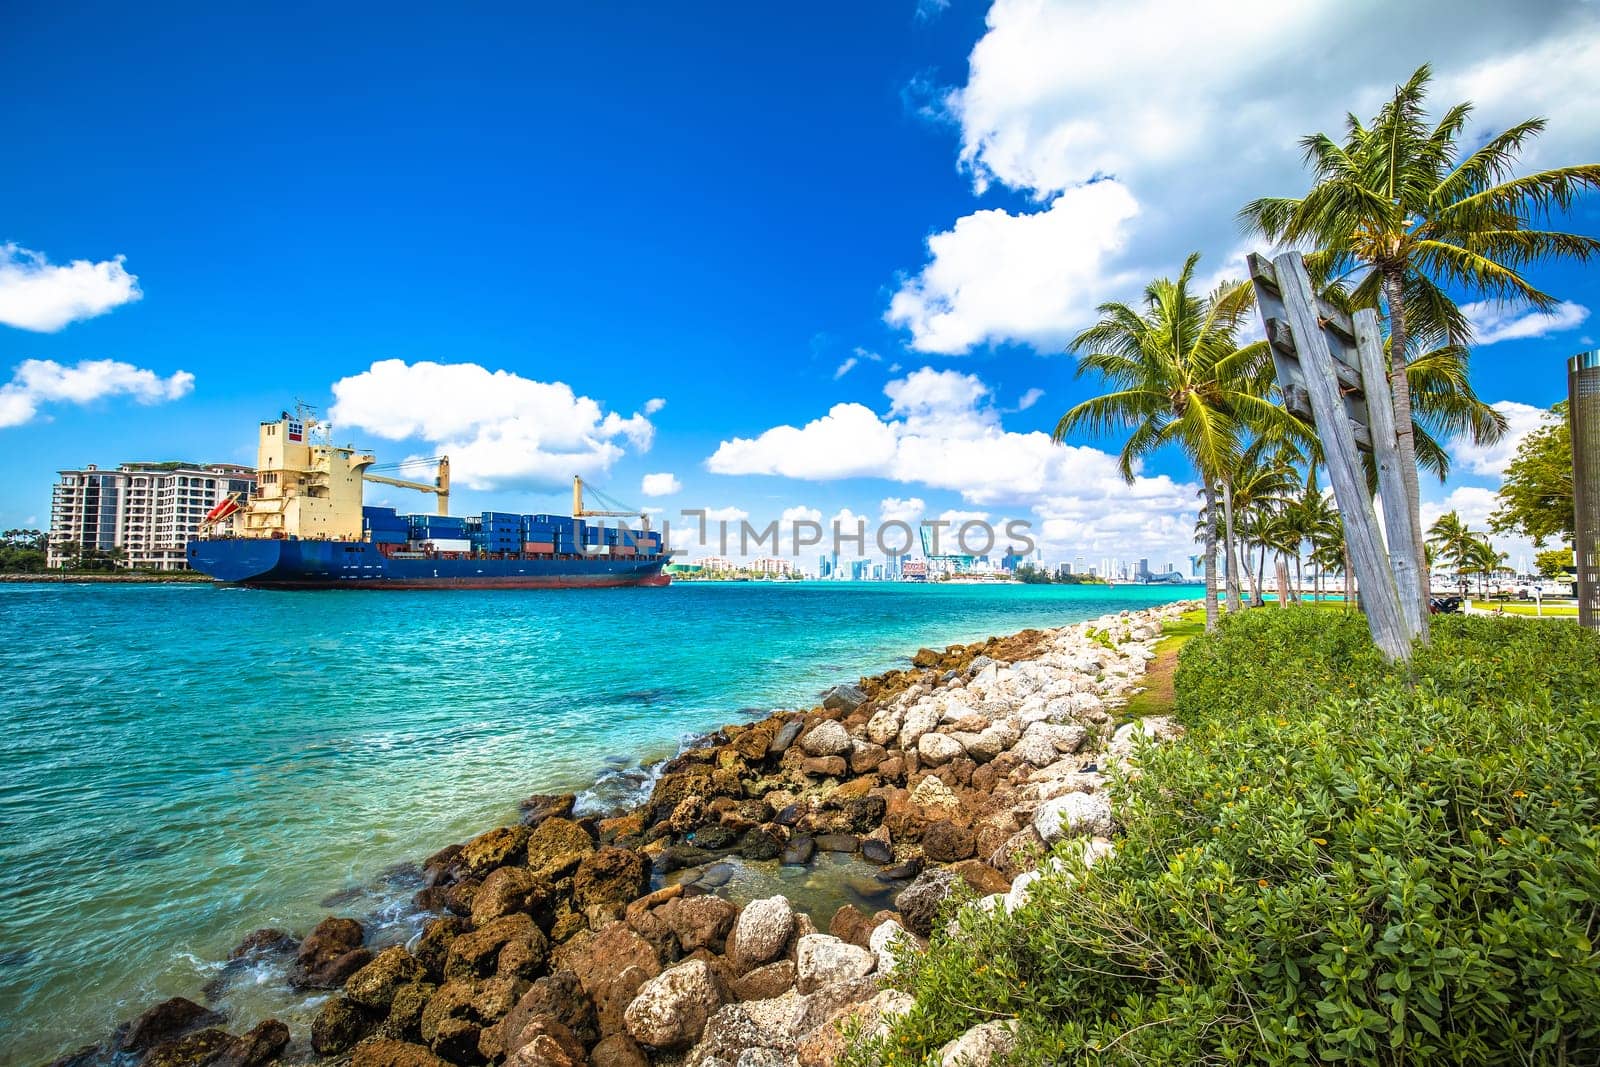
x,y
1230,547
1260,599
1405,442
1299,579
1211,557
1280,567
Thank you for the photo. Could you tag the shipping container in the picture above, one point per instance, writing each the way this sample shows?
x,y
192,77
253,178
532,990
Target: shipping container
x,y
387,537
538,546
449,544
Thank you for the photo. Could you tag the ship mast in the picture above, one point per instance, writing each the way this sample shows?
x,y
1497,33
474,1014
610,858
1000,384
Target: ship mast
x,y
581,512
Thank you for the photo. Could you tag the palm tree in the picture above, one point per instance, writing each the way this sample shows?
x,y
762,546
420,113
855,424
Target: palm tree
x,y
1314,517
1264,478
1454,542
1484,561
1175,376
1397,202
1329,552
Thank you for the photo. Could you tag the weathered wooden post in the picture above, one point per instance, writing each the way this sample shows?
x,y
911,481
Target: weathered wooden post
x,y
1302,333
1403,554
1583,415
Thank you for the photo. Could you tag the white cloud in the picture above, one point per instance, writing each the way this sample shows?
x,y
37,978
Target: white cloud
x,y
849,440
800,513
1033,277
1493,322
727,514
38,295
1187,107
41,381
1521,420
942,432
1030,398
845,368
653,405
660,485
907,509
497,427
928,10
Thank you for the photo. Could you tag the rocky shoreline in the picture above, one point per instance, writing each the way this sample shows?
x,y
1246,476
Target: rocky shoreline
x,y
564,941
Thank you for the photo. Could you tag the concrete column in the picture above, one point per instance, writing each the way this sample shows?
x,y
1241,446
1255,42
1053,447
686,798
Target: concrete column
x,y
1583,391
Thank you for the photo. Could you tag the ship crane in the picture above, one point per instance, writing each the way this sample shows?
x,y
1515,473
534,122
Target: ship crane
x,y
440,486
619,512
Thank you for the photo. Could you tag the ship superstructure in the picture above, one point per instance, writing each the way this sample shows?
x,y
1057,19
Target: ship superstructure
x,y
305,526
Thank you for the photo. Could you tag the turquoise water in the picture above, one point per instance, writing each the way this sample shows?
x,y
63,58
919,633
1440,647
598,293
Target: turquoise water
x,y
183,764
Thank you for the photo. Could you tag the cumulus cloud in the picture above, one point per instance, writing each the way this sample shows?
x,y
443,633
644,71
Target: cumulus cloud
x,y
1030,398
653,405
497,427
1493,322
38,295
845,368
941,431
1187,107
37,382
800,513
1521,420
660,485
1036,277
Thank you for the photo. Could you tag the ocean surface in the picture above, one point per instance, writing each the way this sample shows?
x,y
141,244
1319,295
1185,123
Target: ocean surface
x,y
183,764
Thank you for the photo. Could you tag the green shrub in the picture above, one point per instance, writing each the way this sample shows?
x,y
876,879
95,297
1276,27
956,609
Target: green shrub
x,y
1342,862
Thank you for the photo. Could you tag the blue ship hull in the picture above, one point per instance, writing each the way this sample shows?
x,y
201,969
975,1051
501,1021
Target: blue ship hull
x,y
296,564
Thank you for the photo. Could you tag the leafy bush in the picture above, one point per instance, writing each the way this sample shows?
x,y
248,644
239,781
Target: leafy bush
x,y
1342,862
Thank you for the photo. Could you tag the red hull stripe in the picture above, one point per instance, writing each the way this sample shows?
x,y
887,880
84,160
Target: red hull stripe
x,y
518,582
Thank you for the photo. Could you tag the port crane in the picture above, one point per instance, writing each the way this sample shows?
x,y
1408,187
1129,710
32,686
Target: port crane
x,y
440,486
617,512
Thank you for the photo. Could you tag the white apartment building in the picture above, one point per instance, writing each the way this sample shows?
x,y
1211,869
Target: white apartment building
x,y
712,564
772,565
148,510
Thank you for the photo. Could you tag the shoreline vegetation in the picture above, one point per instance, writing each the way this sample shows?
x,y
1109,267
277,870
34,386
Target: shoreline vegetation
x,y
572,939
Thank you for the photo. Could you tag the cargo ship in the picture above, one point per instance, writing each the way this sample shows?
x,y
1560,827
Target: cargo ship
x,y
305,526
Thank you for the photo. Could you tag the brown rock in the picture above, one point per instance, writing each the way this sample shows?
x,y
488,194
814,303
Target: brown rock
x,y
838,842
338,1025
630,825
434,945
764,983
331,939
477,955
618,1050
556,846
496,848
983,878
752,744
541,806
700,922
198,1049
456,1015
612,964
893,769
559,996
385,1053
404,1021
374,985
947,842
611,876
851,924
256,1047
672,787
264,942
458,898
510,890
824,766
867,758
544,1042
166,1021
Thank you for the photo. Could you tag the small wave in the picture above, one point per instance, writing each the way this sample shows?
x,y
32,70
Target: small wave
x,y
619,788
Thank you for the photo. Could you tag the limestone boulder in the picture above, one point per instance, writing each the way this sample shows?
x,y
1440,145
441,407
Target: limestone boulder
x,y
762,931
827,738
670,1010
1073,815
822,959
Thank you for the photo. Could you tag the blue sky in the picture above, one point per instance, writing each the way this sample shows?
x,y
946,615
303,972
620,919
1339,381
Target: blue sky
x,y
718,207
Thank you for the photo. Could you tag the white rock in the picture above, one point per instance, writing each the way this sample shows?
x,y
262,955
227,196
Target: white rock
x,y
1072,815
1061,738
827,738
763,929
918,721
981,1046
933,793
936,748
1017,895
823,959
891,943
1035,749
884,726
671,1009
